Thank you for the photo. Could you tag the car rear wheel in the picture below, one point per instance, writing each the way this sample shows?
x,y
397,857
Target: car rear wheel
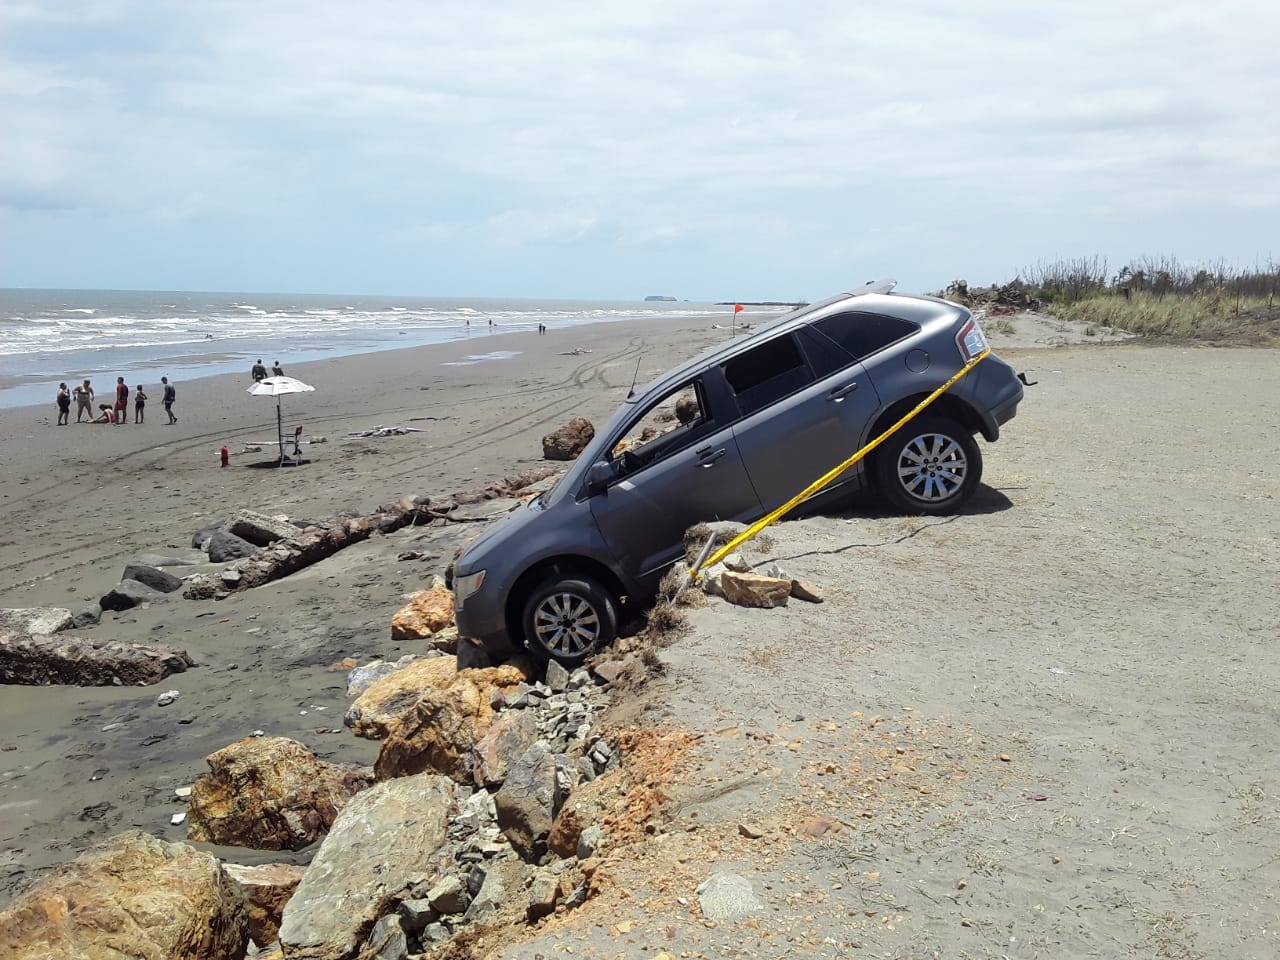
x,y
930,466
570,618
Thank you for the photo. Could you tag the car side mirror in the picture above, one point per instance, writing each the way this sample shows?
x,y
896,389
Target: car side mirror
x,y
601,474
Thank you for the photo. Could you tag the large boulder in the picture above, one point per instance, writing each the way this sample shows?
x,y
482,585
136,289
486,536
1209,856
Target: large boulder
x,y
270,793
386,700
569,441
260,529
441,729
386,840
529,800
35,620
427,612
153,577
505,742
132,896
265,889
128,594
70,659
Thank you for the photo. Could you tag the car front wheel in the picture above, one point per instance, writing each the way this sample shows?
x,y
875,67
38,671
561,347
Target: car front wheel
x,y
570,618
930,466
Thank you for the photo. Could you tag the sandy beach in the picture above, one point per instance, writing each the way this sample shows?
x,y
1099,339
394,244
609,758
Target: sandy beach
x,y
79,502
1043,728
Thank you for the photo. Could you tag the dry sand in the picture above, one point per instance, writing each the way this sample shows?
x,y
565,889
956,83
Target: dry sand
x,y
1044,728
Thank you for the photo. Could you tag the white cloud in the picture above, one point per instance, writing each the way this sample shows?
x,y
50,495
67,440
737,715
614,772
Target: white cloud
x,y
662,126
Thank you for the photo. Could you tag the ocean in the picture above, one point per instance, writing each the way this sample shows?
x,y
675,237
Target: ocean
x,y
48,336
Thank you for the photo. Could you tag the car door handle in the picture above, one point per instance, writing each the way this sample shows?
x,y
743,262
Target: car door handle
x,y
707,458
839,393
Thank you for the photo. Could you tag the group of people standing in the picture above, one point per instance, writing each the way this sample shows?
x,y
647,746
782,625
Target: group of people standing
x,y
117,412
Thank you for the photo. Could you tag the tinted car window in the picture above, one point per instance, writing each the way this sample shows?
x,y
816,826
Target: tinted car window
x,y
767,373
862,334
825,355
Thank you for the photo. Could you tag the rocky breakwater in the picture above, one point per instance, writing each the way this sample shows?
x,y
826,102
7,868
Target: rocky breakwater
x,y
37,650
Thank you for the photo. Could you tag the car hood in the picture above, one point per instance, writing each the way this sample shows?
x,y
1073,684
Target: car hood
x,y
474,556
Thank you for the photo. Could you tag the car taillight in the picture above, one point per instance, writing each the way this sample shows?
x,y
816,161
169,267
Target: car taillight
x,y
971,340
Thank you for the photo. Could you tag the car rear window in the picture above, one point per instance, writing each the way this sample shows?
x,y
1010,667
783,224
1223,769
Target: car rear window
x,y
862,334
767,373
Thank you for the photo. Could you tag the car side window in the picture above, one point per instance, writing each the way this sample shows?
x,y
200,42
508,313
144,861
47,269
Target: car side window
x,y
767,373
668,425
862,334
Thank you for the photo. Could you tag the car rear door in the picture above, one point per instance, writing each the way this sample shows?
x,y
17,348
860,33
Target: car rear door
x,y
803,409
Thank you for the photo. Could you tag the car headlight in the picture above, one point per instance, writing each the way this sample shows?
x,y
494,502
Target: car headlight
x,y
464,587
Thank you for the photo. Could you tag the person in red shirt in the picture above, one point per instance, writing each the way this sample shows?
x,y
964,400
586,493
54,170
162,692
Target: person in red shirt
x,y
122,399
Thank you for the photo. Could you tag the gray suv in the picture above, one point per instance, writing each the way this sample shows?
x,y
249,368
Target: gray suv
x,y
731,435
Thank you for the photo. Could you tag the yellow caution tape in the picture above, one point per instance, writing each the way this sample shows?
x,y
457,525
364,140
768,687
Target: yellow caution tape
x,y
696,571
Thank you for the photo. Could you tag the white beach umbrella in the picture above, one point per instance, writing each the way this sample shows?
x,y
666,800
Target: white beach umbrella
x,y
278,387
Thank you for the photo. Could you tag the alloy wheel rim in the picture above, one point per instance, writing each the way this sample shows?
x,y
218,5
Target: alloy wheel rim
x,y
932,467
566,624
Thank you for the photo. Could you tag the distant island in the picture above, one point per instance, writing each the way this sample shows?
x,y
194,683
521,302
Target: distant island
x,y
659,299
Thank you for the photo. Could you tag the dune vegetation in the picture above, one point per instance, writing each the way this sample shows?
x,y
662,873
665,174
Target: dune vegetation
x,y
1152,297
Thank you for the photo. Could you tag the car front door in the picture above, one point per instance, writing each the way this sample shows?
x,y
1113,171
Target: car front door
x,y
673,465
802,413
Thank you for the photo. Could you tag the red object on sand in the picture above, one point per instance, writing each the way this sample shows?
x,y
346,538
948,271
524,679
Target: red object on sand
x,y
226,456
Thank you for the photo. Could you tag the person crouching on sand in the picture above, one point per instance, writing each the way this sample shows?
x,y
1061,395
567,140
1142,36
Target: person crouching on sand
x,y
108,414
64,405
139,405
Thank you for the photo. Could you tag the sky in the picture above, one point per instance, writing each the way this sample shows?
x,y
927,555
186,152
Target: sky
x,y
746,150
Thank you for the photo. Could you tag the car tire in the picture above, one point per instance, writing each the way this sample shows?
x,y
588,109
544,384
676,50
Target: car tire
x,y
931,466
569,618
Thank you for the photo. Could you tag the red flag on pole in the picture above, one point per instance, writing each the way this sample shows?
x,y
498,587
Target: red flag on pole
x,y
737,308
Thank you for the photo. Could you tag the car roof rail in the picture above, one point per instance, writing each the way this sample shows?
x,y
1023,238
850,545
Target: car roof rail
x,y
874,286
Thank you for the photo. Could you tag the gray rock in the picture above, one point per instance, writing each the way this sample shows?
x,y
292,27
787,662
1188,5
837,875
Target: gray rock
x,y
362,678
737,563
543,892
502,881
35,620
726,895
87,617
448,896
166,698
200,539
153,577
383,841
416,914
258,528
557,677
511,734
529,800
590,841
225,546
435,933
386,941
128,594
